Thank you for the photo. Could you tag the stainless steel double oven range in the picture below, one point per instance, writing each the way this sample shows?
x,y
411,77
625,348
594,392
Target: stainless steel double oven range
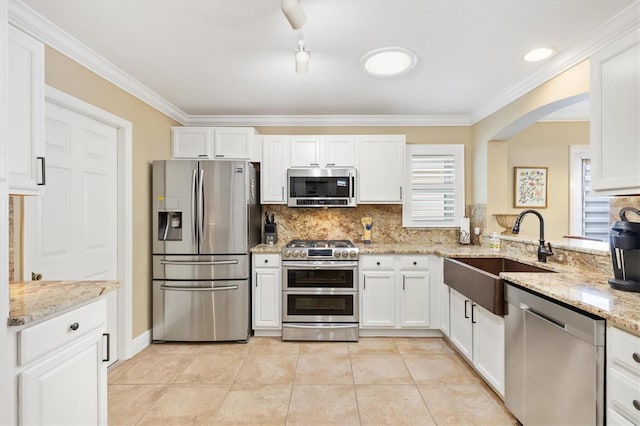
x,y
320,291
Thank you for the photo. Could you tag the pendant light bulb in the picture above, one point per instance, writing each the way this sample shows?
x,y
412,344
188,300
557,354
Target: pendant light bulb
x,y
293,12
302,58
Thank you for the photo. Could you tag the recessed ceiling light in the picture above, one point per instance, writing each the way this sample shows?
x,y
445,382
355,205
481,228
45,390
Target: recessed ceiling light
x,y
389,61
539,54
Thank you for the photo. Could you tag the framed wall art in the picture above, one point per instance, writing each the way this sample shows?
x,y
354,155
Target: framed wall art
x,y
530,187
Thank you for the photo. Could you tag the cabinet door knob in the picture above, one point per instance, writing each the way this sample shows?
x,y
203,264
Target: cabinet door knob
x,y
415,263
74,326
266,261
636,404
636,357
378,263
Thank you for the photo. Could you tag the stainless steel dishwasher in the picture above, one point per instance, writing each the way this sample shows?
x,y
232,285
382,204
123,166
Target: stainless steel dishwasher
x,y
554,362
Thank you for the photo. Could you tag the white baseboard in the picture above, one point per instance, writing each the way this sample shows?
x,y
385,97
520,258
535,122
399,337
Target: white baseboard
x,y
366,332
139,343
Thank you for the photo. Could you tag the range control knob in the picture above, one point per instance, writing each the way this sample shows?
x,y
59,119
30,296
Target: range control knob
x,y
337,253
286,254
345,254
303,254
352,254
295,253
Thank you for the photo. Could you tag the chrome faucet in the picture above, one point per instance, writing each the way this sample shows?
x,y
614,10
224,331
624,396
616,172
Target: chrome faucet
x,y
543,252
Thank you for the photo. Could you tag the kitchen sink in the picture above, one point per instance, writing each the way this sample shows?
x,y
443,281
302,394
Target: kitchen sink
x,y
478,279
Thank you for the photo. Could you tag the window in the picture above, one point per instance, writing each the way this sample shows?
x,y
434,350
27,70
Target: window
x,y
589,213
435,186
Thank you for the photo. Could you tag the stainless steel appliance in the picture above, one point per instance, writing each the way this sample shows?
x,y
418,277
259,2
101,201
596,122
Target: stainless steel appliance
x,y
554,362
315,187
206,216
320,291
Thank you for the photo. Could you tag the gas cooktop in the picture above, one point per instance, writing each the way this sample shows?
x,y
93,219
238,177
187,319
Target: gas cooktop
x,y
320,249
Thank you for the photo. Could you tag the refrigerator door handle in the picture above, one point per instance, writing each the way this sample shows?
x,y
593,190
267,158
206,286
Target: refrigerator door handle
x,y
229,287
194,262
201,210
194,197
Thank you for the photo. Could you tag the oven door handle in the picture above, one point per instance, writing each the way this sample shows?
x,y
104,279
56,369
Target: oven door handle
x,y
332,325
319,265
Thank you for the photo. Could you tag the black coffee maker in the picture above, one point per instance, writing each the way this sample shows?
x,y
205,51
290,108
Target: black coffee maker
x,y
624,241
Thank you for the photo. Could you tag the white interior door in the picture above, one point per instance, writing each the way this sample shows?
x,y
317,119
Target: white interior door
x,y
72,229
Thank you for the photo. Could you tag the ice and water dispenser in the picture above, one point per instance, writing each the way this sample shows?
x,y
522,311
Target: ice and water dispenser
x,y
169,219
625,252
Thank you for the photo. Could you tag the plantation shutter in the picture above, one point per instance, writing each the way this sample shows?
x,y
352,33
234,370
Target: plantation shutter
x,y
434,180
595,208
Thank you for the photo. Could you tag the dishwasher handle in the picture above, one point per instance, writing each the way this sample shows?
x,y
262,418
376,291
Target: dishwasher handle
x,y
561,325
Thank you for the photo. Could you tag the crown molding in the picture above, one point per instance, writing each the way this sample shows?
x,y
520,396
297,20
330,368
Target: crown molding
x,y
327,120
617,26
30,21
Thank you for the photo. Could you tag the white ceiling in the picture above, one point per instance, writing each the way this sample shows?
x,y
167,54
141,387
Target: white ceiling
x,y
235,57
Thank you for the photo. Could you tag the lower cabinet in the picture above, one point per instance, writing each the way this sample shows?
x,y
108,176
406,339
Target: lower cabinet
x,y
623,378
62,372
395,294
267,295
479,336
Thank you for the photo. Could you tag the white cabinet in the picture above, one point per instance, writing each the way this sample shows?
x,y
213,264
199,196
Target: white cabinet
x,y
267,294
220,143
63,376
623,377
441,305
26,118
273,174
395,294
479,336
380,169
323,151
615,108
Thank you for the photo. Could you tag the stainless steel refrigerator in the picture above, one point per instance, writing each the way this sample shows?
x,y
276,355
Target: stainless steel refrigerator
x,y
206,217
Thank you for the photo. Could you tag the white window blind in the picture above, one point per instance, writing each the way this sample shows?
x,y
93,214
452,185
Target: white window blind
x,y
595,208
435,184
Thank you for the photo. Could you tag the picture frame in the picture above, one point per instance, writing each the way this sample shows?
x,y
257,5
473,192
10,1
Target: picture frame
x,y
530,187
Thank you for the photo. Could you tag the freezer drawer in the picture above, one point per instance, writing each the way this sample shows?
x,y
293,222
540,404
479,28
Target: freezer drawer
x,y
222,267
201,311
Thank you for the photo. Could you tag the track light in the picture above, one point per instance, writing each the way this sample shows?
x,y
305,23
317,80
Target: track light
x,y
302,58
293,12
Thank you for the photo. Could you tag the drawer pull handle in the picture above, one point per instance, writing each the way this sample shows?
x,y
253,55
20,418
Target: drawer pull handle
x,y
266,261
74,326
378,263
636,404
415,263
636,357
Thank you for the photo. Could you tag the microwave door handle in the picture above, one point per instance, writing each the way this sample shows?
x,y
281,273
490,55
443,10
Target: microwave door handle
x,y
353,186
194,206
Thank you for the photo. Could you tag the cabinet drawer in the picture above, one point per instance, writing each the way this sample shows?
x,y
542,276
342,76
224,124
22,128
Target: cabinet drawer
x,y
624,349
58,331
376,262
616,419
625,394
266,260
414,262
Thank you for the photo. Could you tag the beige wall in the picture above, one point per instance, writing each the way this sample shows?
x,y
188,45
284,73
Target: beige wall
x,y
545,145
151,141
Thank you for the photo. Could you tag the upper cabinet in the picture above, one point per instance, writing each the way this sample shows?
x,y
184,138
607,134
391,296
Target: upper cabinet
x,y
220,143
323,151
273,173
25,108
615,108
380,169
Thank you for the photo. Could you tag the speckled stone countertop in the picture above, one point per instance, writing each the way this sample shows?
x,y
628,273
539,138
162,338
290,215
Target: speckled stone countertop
x,y
586,290
34,300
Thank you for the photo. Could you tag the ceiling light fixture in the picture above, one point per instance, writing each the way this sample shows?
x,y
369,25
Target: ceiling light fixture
x,y
389,61
293,12
539,54
302,58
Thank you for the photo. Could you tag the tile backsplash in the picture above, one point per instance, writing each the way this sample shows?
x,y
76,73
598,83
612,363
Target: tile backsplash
x,y
344,224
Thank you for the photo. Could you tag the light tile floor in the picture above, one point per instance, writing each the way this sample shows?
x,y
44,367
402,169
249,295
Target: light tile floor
x,y
376,381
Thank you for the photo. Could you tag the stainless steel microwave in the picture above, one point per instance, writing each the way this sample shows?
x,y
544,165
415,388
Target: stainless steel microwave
x,y
315,187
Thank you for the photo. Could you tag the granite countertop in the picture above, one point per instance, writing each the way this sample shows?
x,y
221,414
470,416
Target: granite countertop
x,y
34,300
586,290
